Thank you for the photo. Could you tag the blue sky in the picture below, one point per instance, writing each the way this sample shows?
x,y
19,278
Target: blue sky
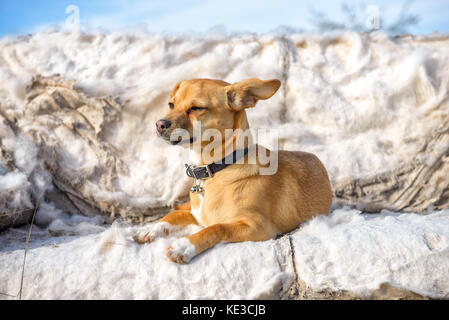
x,y
27,16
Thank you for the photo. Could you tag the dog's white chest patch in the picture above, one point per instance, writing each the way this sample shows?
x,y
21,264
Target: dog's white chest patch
x,y
197,211
194,157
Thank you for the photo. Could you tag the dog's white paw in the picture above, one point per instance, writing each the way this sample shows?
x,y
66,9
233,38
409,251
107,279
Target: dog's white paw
x,y
181,251
149,234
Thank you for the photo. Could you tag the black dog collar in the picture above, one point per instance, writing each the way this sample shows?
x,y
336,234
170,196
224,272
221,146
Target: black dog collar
x,y
208,170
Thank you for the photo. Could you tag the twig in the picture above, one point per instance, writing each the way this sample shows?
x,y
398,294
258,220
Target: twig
x,y
28,239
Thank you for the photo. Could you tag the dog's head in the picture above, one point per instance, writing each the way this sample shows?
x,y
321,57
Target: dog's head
x,y
214,104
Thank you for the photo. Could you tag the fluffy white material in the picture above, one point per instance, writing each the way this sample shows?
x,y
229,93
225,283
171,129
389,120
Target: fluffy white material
x,y
26,177
362,102
111,265
343,96
345,251
355,252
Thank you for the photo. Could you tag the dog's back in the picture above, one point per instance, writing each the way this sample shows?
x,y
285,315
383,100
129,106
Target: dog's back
x,y
314,181
302,187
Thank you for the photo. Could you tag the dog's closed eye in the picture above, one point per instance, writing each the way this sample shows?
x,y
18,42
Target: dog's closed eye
x,y
195,108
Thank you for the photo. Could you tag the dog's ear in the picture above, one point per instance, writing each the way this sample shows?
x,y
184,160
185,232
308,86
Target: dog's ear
x,y
245,94
175,89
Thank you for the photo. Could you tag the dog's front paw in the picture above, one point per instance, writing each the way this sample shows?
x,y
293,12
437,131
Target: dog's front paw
x,y
150,234
181,251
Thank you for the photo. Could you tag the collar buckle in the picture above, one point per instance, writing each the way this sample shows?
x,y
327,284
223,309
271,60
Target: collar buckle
x,y
198,172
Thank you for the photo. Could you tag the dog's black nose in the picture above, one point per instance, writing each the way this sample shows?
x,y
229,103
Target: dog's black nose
x,y
162,125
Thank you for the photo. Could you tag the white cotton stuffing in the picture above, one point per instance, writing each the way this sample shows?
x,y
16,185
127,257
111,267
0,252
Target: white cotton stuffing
x,y
343,96
358,253
362,102
345,251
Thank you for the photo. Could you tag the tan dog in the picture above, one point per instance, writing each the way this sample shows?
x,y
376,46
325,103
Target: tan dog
x,y
237,203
